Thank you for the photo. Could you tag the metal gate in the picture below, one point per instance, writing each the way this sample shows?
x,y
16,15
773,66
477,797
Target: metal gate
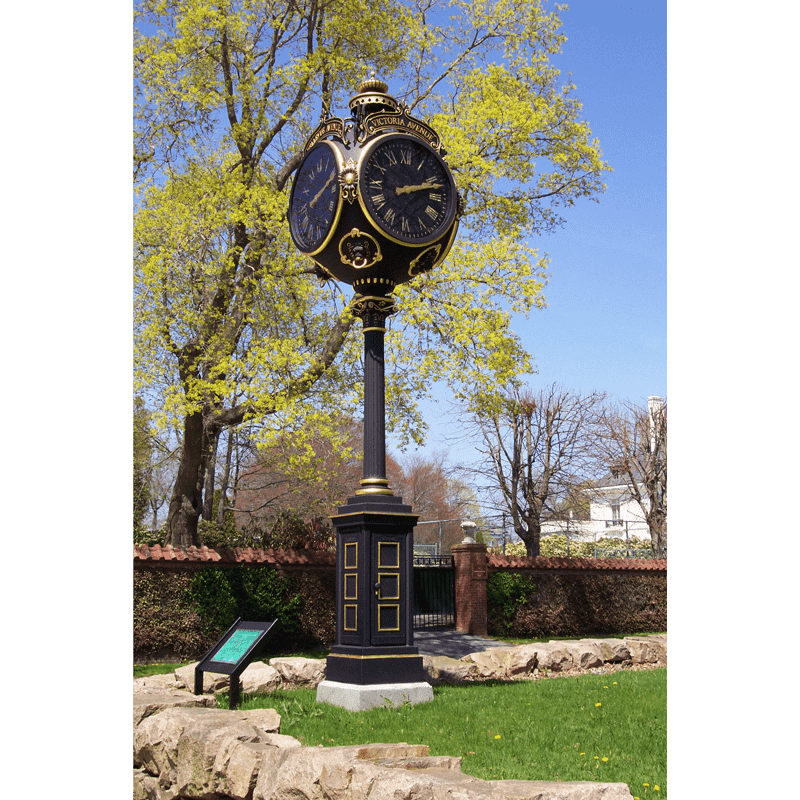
x,y
434,592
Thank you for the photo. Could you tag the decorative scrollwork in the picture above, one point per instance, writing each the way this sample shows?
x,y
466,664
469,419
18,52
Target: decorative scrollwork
x,y
360,250
348,181
425,261
373,311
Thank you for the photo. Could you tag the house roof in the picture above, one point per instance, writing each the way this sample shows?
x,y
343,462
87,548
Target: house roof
x,y
610,480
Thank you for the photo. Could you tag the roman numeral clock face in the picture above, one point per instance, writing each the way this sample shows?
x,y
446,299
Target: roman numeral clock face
x,y
407,190
314,201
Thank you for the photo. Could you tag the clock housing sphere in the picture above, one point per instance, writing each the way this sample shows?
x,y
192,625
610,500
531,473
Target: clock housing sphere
x,y
374,203
315,200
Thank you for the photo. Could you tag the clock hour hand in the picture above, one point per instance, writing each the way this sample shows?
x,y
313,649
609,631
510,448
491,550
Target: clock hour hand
x,y
322,190
418,187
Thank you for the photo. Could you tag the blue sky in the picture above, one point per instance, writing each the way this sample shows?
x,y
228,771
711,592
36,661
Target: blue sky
x,y
605,326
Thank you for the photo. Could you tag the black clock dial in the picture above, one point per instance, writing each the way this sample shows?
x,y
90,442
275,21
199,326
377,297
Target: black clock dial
x,y
407,189
314,200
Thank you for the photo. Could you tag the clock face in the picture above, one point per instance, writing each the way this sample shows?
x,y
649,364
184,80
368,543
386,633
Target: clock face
x,y
314,201
406,189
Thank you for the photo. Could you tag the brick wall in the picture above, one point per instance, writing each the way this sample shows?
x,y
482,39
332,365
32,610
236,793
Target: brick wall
x,y
585,596
469,563
574,596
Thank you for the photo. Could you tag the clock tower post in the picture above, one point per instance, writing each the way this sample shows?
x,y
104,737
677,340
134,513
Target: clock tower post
x,y
373,205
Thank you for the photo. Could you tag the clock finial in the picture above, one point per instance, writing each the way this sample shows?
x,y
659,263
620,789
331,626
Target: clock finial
x,y
373,96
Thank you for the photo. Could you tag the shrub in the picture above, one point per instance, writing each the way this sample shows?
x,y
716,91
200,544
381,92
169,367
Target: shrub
x,y
586,605
180,615
557,546
165,623
505,593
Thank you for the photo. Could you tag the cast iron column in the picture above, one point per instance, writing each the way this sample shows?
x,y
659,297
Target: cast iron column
x,y
374,542
373,312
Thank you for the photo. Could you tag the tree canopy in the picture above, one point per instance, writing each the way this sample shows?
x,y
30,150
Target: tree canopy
x,y
230,322
540,448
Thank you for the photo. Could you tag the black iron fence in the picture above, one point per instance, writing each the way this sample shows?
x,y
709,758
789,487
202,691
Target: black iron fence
x,y
434,592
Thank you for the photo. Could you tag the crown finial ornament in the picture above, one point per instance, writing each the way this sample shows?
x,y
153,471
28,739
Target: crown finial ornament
x,y
373,84
373,96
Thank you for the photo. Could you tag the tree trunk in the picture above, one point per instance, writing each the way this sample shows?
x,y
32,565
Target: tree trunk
x,y
186,501
226,475
532,545
531,537
210,441
657,536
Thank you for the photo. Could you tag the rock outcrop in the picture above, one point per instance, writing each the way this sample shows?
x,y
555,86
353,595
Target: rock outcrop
x,y
180,758
535,660
185,747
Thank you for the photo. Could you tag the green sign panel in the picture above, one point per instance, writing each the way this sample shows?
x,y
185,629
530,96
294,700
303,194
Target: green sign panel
x,y
236,646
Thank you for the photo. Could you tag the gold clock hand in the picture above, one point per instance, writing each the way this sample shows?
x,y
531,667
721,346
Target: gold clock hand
x,y
418,187
322,190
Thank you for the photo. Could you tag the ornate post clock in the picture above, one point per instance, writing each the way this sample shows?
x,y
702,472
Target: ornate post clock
x,y
373,204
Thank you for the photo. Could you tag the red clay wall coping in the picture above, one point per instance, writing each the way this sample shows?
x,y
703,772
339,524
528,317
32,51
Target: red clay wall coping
x,y
224,556
498,562
180,556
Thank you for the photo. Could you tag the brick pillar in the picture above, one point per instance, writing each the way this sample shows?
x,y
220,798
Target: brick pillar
x,y
470,564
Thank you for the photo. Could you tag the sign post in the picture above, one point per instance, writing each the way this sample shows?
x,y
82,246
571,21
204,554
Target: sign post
x,y
232,654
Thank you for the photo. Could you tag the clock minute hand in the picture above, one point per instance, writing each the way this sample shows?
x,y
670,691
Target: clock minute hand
x,y
322,190
417,187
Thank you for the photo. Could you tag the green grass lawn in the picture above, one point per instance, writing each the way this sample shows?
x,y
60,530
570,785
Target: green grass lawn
x,y
610,728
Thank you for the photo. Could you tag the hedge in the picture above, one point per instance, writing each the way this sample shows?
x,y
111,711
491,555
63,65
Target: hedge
x,y
179,615
547,604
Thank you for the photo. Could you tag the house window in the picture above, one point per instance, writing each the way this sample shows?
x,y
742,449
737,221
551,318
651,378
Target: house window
x,y
615,516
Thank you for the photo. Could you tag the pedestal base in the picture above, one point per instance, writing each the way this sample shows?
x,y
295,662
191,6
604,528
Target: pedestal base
x,y
353,697
378,665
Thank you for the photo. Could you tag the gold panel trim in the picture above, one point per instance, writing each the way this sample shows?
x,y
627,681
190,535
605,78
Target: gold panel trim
x,y
381,609
351,586
396,578
346,655
387,545
347,564
355,617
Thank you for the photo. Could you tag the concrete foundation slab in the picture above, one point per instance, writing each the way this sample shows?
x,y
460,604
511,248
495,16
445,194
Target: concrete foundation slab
x,y
354,697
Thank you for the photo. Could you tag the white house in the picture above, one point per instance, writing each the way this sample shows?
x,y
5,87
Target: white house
x,y
613,513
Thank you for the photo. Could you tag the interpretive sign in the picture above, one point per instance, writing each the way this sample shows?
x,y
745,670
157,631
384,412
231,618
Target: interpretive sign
x,y
231,655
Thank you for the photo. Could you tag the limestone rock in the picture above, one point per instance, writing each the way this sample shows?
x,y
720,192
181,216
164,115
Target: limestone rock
x,y
259,677
212,681
646,649
370,752
180,746
554,657
146,787
585,655
149,701
611,650
223,760
332,773
300,673
280,741
492,663
443,669
166,682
